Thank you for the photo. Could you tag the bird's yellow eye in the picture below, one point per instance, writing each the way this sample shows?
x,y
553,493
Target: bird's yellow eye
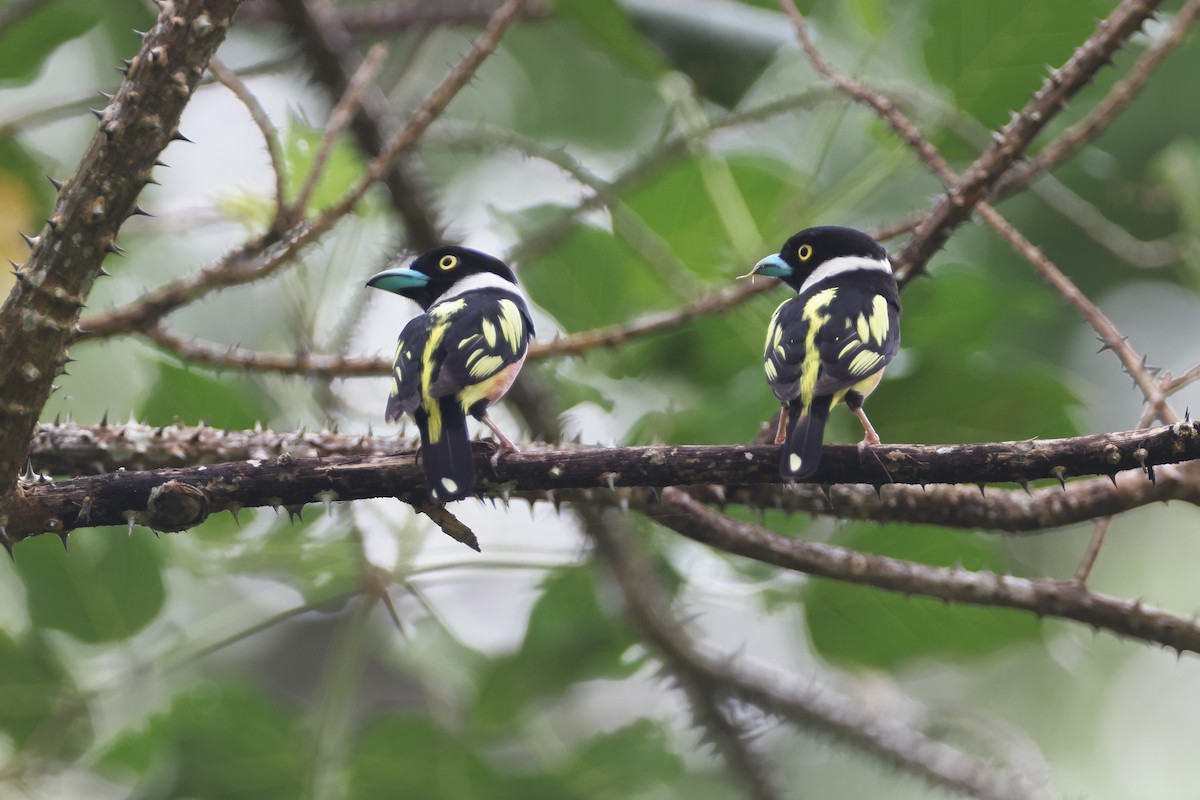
x,y
448,262
805,252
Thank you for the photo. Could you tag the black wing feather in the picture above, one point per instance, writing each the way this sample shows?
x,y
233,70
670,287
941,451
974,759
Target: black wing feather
x,y
491,332
405,396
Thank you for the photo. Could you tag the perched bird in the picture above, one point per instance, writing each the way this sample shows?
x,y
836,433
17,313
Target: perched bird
x,y
832,340
457,358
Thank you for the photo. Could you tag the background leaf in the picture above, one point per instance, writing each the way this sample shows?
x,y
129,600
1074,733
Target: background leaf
x,y
857,625
105,590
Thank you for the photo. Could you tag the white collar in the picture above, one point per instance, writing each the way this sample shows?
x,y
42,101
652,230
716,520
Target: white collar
x,y
841,265
480,280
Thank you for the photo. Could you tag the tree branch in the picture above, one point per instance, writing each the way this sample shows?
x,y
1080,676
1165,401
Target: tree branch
x,y
258,259
979,181
812,707
326,45
111,499
1133,363
1068,600
39,316
1072,140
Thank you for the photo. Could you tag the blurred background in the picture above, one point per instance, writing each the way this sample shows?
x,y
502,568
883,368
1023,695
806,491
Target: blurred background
x,y
256,658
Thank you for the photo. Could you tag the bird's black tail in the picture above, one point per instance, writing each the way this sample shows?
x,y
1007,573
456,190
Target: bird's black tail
x,y
449,467
802,449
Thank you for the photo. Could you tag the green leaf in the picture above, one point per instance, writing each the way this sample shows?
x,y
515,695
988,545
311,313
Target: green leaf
x,y
723,50
623,762
28,43
678,208
191,396
216,741
410,757
318,566
606,25
569,639
590,280
35,688
595,104
342,169
106,589
993,53
857,625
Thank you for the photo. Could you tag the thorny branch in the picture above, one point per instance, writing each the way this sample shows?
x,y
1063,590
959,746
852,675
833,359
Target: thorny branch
x,y
258,259
979,181
1103,113
1043,597
326,44
115,498
811,706
38,317
1133,363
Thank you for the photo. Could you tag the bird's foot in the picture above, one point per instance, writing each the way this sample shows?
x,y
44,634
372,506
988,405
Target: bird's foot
x,y
505,446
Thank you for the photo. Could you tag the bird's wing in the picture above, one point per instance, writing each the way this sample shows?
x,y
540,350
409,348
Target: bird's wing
x,y
860,336
486,336
783,358
405,396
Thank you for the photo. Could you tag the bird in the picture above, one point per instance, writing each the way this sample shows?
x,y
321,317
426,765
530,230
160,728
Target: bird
x,y
830,342
456,358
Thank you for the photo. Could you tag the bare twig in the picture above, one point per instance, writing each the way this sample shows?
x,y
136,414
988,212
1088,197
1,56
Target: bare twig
x,y
231,81
71,450
339,118
385,18
1132,362
648,607
1103,113
815,708
262,257
70,108
1093,550
1069,600
979,181
450,525
1187,378
328,47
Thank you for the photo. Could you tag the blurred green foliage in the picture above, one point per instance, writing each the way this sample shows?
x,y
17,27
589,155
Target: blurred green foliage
x,y
539,687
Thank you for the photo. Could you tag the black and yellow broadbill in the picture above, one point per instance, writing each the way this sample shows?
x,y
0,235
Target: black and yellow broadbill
x,y
457,358
830,342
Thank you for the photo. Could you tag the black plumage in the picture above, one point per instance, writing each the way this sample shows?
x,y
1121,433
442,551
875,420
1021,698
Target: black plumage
x,y
830,342
457,358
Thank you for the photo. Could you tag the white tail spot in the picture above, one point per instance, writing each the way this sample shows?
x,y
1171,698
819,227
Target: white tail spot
x,y
794,463
449,485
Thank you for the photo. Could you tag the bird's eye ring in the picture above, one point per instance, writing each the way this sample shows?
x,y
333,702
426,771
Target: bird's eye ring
x,y
448,262
805,252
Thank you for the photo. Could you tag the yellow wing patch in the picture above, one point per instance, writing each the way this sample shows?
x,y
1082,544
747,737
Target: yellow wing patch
x,y
489,332
815,316
485,366
512,324
865,362
444,310
878,323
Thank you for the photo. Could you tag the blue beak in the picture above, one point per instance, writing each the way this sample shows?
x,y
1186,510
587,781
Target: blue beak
x,y
397,280
772,266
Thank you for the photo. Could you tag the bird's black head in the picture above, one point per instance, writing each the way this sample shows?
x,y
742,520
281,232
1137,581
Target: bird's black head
x,y
813,247
432,274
